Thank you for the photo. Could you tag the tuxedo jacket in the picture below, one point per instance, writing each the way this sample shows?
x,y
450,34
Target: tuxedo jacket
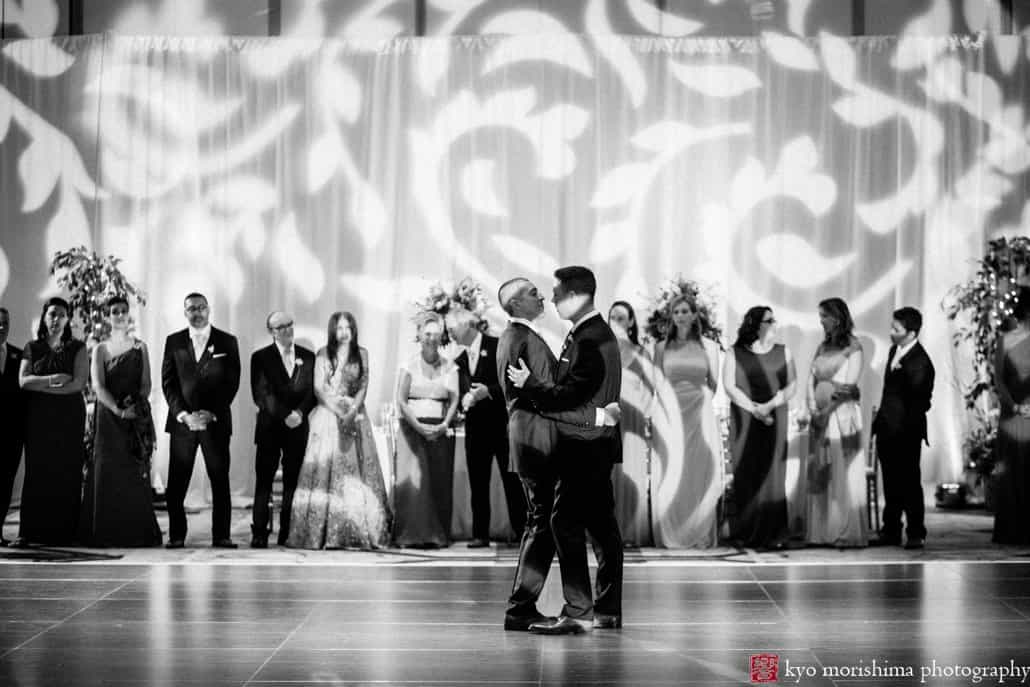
x,y
531,435
277,393
906,395
209,384
490,414
12,402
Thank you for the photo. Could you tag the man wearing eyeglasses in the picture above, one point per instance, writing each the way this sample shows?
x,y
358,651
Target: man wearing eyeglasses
x,y
282,381
200,375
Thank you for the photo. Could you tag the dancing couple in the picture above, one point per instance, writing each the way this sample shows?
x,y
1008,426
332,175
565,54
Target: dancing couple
x,y
563,430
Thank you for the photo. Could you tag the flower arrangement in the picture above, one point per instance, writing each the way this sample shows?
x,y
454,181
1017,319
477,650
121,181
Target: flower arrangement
x,y
660,319
90,281
466,294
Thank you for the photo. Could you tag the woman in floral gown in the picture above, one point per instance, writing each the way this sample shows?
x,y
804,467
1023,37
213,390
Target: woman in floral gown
x,y
341,499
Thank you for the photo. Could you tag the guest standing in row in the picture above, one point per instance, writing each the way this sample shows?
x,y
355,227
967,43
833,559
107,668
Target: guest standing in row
x,y
900,428
282,384
760,379
1012,383
486,424
12,417
341,499
629,479
836,462
200,375
54,370
687,485
427,398
117,502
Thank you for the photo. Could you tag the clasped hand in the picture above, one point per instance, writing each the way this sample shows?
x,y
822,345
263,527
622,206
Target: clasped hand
x,y
518,375
474,395
199,420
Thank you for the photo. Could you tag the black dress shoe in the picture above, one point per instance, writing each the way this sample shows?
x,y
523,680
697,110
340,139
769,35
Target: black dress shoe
x,y
478,543
607,622
885,541
258,543
224,544
564,625
281,540
915,543
175,544
514,623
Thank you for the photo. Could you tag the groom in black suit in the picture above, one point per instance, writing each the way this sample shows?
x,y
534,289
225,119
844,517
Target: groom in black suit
x,y
12,417
900,429
200,375
486,425
589,375
282,382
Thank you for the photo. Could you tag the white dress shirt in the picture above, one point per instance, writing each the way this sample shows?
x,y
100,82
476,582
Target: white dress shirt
x,y
473,352
199,337
900,353
289,356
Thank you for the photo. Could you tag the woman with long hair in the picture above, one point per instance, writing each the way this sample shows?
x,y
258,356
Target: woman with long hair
x,y
687,478
835,465
340,500
760,379
427,399
629,478
117,504
1012,383
54,370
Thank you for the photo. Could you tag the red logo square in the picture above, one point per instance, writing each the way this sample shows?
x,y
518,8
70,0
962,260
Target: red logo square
x,y
765,667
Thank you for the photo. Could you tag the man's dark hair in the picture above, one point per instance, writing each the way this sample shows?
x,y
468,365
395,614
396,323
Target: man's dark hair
x,y
194,295
577,279
910,318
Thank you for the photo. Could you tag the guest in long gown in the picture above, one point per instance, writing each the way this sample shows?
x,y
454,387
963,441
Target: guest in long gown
x,y
760,380
629,478
687,479
1012,383
341,499
117,505
836,462
427,398
53,372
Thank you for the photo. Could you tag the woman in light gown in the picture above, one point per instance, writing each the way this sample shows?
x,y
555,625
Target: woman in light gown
x,y
629,478
341,499
836,462
1012,383
760,379
687,475
427,399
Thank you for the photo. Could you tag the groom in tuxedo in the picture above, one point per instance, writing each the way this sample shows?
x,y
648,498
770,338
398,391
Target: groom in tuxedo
x,y
12,417
200,375
900,429
533,438
282,382
589,375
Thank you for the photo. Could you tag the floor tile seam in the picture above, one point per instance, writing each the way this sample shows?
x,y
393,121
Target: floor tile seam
x,y
57,624
1005,603
278,648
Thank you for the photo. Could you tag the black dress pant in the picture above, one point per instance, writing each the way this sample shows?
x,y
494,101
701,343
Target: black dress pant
x,y
537,550
482,445
899,456
11,445
282,444
585,503
183,452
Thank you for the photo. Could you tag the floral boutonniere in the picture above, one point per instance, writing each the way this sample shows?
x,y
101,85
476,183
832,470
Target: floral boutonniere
x,y
482,354
298,362
211,349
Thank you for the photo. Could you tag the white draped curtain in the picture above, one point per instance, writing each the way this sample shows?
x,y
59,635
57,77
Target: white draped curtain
x,y
323,175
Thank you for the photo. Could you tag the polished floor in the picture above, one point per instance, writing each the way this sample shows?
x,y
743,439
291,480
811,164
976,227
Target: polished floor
x,y
214,624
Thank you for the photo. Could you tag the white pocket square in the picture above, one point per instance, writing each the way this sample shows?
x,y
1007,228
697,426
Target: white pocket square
x,y
218,355
565,360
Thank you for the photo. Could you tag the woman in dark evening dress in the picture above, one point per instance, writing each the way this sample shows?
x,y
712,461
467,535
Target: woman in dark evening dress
x,y
117,505
427,398
53,374
760,380
1012,382
341,499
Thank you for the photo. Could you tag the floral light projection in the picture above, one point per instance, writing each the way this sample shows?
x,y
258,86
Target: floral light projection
x,y
347,164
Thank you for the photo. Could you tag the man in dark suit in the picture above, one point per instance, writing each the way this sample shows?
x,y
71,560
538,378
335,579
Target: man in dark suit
x,y
282,382
200,375
486,425
11,417
900,429
532,441
589,375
